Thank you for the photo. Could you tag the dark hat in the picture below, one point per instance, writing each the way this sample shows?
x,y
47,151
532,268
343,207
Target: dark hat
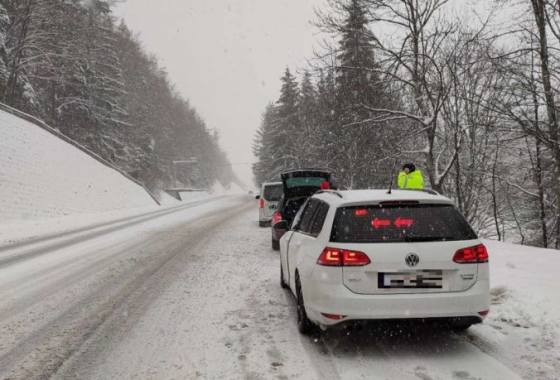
x,y
410,167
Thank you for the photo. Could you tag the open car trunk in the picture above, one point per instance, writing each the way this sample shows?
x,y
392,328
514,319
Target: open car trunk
x,y
304,182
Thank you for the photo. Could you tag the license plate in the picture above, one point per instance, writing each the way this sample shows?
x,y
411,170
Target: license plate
x,y
426,279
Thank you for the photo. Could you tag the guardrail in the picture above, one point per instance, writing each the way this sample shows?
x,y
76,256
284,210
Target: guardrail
x,y
40,123
176,193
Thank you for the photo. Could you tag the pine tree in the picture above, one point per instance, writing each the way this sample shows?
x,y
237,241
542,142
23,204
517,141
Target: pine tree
x,y
327,118
308,146
287,124
141,158
100,81
268,166
357,85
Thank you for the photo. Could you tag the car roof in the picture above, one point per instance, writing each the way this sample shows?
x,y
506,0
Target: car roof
x,y
363,197
272,183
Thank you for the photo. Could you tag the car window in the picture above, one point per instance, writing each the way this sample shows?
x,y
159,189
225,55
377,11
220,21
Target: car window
x,y
272,193
296,219
290,207
307,215
319,219
405,223
304,181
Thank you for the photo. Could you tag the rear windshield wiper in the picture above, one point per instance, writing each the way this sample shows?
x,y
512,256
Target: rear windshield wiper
x,y
428,238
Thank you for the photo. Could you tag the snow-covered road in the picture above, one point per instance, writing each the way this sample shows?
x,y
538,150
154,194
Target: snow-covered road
x,y
195,294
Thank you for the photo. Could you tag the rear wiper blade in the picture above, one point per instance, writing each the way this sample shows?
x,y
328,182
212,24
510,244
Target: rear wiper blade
x,y
428,238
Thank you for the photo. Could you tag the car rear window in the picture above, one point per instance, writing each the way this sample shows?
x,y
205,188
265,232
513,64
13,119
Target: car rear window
x,y
400,223
272,192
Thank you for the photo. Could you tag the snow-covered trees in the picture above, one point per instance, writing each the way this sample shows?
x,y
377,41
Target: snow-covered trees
x,y
326,122
475,106
266,168
67,62
4,24
359,89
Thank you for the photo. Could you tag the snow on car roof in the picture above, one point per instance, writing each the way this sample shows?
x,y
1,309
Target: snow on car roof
x,y
351,197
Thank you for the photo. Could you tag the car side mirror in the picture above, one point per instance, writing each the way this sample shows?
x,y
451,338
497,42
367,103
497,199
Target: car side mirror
x,y
281,225
257,196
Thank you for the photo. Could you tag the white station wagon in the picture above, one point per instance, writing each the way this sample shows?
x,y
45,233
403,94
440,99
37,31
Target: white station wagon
x,y
374,255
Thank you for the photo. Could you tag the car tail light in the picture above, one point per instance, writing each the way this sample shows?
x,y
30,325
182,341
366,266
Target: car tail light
x,y
471,255
483,313
336,257
276,217
261,203
334,317
380,223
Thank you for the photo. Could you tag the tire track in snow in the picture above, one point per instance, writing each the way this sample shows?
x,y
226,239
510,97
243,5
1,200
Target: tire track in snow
x,y
43,351
215,309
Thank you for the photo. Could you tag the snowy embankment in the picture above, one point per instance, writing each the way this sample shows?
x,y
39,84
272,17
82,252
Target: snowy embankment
x,y
48,185
523,327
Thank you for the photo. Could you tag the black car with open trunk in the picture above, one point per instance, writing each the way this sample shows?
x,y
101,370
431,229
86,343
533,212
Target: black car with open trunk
x,y
298,185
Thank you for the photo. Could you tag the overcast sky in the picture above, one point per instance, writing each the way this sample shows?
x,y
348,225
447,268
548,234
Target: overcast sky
x,y
226,57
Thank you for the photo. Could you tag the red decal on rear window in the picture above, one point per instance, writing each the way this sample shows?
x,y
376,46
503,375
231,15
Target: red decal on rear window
x,y
403,222
361,212
380,223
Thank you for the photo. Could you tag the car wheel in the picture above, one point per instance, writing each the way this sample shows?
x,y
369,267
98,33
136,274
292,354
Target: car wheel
x,y
282,282
275,245
305,326
262,224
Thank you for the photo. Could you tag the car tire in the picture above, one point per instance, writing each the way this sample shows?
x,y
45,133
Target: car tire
x,y
275,245
305,326
262,224
282,282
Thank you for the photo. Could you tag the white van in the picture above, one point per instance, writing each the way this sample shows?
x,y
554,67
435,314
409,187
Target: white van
x,y
271,192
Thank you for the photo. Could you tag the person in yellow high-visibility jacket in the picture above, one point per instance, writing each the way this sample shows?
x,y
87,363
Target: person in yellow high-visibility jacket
x,y
410,177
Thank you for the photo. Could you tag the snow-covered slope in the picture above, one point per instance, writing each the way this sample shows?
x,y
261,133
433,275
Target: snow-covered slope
x,y
523,327
42,176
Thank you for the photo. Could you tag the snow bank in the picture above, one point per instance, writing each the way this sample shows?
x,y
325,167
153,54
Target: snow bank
x,y
523,327
42,177
166,199
217,188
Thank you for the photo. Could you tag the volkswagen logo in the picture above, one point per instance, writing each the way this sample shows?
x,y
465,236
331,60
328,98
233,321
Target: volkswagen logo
x,y
412,259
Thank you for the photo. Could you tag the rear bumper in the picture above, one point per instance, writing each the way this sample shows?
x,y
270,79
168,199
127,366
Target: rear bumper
x,y
263,216
336,299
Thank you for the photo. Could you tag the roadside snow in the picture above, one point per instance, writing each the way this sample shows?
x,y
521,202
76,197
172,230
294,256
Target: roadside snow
x,y
233,189
19,231
523,327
